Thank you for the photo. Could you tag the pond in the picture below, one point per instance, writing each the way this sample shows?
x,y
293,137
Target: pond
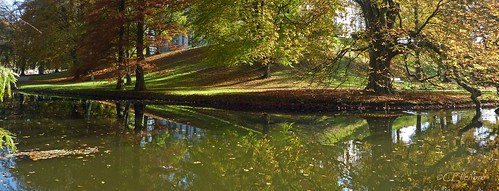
x,y
143,146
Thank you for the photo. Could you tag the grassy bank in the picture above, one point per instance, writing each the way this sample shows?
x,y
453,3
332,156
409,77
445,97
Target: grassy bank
x,y
182,77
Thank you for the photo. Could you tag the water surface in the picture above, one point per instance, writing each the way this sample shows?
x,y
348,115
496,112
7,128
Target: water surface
x,y
165,147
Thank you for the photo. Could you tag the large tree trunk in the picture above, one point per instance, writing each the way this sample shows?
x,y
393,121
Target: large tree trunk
x,y
267,73
380,21
119,111
139,115
23,70
121,49
140,84
475,123
475,93
41,69
380,81
128,78
381,141
74,57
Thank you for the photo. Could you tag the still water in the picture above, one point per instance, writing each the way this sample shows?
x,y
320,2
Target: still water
x,y
165,147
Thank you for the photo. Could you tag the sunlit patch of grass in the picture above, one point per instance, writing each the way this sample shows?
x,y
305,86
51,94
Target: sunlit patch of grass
x,y
341,131
184,73
71,86
210,91
49,76
205,119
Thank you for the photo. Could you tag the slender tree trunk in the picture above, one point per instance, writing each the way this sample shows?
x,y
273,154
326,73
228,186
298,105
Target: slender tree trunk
x,y
89,110
267,73
119,81
418,124
121,49
140,84
21,102
148,51
119,114
266,123
41,69
158,33
419,71
74,57
126,114
23,70
139,115
146,121
128,78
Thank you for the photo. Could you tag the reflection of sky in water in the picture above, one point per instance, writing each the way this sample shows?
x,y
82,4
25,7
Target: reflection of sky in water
x,y
407,133
350,156
181,130
349,153
481,134
456,117
490,116
7,181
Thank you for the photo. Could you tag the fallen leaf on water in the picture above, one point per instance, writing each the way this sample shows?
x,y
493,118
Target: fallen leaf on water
x,y
40,155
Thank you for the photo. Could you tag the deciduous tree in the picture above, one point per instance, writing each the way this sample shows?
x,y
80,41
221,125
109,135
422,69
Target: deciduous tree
x,y
262,32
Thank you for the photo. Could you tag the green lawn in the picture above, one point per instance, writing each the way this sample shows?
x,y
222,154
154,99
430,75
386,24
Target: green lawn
x,y
186,73
183,73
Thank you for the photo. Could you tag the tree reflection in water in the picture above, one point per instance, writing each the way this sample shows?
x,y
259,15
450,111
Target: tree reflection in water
x,y
188,148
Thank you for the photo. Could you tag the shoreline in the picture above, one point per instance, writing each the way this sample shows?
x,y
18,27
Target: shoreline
x,y
279,100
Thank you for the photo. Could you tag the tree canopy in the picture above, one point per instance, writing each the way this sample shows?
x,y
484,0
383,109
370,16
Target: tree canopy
x,y
433,42
262,31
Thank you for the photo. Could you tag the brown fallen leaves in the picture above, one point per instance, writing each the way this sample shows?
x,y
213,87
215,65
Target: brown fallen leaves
x,y
41,155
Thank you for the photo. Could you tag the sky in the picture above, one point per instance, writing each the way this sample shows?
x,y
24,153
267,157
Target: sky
x,y
9,2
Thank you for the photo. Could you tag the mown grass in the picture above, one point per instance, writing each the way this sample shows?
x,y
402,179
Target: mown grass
x,y
184,73
49,76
